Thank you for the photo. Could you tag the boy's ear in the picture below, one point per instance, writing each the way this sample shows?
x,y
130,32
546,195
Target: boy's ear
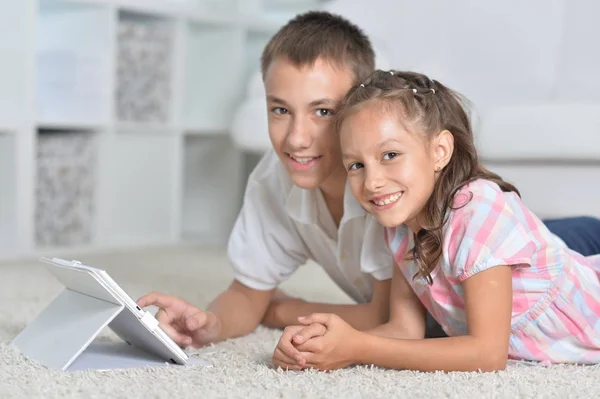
x,y
443,148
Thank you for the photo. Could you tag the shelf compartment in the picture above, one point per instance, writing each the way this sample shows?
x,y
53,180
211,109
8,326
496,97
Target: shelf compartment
x,y
8,209
145,53
73,74
219,6
212,77
65,188
140,189
212,188
17,67
218,11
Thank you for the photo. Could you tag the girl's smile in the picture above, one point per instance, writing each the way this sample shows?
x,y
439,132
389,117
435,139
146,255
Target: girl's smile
x,y
391,171
384,202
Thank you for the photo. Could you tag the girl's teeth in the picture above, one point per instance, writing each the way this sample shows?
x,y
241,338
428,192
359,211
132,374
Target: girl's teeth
x,y
388,200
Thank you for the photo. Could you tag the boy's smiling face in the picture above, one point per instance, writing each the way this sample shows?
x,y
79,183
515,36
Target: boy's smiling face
x,y
301,102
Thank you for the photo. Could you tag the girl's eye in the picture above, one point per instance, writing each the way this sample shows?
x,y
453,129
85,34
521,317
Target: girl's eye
x,y
324,112
390,155
279,110
355,166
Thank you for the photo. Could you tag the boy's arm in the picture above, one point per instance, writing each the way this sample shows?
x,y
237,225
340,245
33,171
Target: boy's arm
x,y
235,312
283,312
239,310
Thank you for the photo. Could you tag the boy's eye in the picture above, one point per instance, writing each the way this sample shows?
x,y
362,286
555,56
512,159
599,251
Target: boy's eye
x,y
390,155
324,112
355,166
279,110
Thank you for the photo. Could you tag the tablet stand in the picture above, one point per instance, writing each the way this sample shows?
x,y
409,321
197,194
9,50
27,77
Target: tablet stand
x,y
65,329
63,336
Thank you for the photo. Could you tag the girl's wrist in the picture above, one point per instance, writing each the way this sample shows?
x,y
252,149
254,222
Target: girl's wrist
x,y
359,347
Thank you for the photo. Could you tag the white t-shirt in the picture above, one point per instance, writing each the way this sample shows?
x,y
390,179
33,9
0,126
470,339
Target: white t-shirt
x,y
281,226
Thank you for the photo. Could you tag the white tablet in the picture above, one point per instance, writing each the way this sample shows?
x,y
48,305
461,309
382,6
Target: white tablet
x,y
133,325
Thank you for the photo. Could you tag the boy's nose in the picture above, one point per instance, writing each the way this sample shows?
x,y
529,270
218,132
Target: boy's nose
x,y
299,136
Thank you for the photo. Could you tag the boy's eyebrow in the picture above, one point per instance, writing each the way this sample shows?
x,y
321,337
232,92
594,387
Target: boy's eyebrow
x,y
277,100
321,101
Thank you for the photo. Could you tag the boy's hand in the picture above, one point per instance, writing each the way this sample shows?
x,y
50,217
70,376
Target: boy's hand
x,y
336,348
286,355
184,323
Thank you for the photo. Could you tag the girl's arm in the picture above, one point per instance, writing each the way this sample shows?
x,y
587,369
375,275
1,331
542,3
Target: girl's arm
x,y
488,308
364,316
407,314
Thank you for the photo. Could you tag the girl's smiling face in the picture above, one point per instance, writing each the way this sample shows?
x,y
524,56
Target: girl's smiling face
x,y
392,171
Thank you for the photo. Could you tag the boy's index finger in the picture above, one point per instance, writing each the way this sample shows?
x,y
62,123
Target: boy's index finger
x,y
156,299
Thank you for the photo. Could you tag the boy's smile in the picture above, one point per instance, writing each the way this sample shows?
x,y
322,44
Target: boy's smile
x,y
301,102
303,163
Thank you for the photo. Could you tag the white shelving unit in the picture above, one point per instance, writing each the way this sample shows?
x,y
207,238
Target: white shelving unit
x,y
8,208
114,119
17,124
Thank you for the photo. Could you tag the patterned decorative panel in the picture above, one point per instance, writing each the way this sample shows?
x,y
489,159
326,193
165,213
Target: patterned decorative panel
x,y
65,188
145,50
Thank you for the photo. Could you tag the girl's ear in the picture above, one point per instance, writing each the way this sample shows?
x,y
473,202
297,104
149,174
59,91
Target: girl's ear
x,y
442,149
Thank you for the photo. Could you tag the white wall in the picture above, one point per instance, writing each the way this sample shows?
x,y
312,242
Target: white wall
x,y
529,67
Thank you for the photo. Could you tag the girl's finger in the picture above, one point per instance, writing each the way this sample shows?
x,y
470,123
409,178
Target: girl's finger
x,y
313,330
311,346
282,360
286,346
323,318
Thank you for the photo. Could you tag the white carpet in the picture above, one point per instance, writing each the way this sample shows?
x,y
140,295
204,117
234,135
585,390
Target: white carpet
x,y
241,366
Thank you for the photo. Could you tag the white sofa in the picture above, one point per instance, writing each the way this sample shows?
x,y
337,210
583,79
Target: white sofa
x,y
530,69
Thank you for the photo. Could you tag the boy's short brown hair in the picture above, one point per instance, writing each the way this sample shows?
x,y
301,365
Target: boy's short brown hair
x,y
319,34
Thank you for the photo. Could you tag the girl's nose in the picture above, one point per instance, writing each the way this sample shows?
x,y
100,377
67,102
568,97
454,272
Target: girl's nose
x,y
374,180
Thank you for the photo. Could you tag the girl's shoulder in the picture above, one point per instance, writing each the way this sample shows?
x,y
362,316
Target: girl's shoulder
x,y
472,207
486,226
397,240
481,200
478,192
479,204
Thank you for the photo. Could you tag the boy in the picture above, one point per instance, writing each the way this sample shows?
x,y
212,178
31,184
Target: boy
x,y
295,206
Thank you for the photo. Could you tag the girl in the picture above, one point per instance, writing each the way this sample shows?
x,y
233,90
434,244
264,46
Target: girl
x,y
468,250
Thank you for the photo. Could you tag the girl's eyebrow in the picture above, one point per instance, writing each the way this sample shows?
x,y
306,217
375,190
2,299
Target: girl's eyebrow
x,y
389,141
384,143
346,156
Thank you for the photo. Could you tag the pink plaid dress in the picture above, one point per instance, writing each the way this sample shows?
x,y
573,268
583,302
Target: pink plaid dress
x,y
556,291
